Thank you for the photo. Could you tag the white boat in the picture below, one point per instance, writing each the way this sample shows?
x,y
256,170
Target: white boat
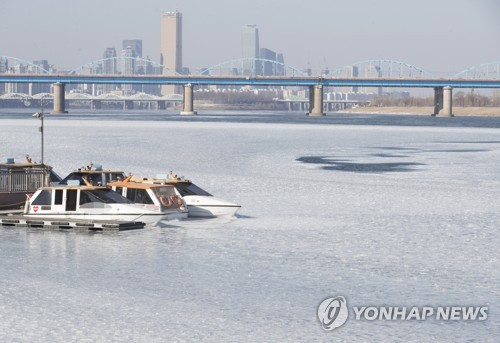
x,y
163,198
19,178
93,203
200,203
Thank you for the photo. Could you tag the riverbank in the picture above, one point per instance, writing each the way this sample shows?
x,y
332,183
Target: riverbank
x,y
409,110
425,110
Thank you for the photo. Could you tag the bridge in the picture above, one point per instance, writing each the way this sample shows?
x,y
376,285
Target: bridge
x,y
145,101
381,73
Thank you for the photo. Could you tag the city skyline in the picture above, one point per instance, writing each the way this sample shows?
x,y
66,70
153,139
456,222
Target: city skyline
x,y
440,37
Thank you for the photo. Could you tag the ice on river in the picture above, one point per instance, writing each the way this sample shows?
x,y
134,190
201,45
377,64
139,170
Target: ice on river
x,y
383,215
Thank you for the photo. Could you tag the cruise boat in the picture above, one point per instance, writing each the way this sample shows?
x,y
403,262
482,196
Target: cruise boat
x,y
19,178
200,203
163,198
94,203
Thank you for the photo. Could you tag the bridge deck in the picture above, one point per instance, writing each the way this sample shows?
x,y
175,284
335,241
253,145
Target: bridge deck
x,y
242,80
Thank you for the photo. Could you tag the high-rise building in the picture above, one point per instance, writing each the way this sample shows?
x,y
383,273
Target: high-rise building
x,y
171,48
268,66
4,64
109,63
134,44
4,67
127,66
280,68
108,67
17,87
44,64
36,88
250,50
348,73
373,72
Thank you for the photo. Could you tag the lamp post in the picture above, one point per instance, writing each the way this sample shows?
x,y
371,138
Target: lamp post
x,y
40,115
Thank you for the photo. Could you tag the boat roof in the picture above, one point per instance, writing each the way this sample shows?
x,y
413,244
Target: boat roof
x,y
80,187
10,163
85,171
137,185
24,165
166,181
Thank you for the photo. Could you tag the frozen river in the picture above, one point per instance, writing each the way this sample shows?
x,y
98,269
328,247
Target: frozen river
x,y
385,211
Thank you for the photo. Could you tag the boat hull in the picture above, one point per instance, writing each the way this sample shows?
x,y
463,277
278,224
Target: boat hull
x,y
209,207
148,219
12,200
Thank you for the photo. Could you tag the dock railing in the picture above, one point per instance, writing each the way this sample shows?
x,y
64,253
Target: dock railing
x,y
28,180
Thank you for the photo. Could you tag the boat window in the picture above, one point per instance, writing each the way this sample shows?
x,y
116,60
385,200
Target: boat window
x,y
84,198
159,191
190,189
95,179
105,196
139,196
71,199
43,198
58,200
71,176
115,177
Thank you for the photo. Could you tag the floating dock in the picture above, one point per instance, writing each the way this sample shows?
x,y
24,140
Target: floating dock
x,y
69,224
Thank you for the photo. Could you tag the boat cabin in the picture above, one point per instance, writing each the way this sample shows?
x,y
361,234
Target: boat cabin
x,y
163,196
18,179
61,199
183,186
94,174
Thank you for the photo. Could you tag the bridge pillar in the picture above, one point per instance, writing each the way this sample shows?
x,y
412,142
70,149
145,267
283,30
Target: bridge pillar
x,y
95,105
438,100
316,101
59,100
128,105
187,108
311,99
447,111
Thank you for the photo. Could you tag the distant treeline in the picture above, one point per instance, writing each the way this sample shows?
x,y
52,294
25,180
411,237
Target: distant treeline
x,y
262,100
460,99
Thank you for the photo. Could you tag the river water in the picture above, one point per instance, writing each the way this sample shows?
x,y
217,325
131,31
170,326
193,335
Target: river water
x,y
384,210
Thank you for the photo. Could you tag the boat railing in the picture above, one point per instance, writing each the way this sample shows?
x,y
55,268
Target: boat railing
x,y
27,181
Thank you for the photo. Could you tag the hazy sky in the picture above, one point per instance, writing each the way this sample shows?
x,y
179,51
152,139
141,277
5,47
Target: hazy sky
x,y
440,36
